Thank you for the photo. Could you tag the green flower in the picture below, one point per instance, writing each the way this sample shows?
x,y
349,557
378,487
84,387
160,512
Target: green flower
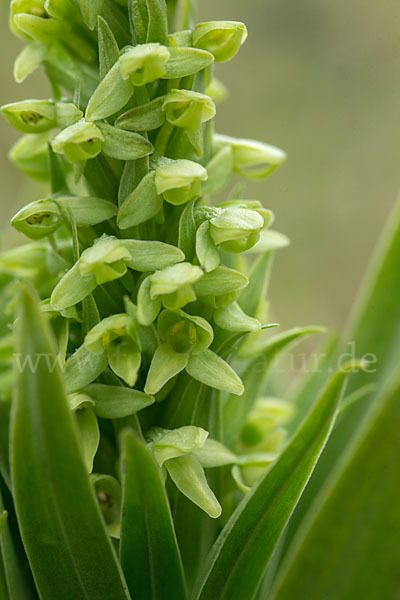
x,y
174,451
38,219
31,116
144,63
252,159
188,109
80,141
171,287
222,38
106,260
35,8
236,229
179,181
116,336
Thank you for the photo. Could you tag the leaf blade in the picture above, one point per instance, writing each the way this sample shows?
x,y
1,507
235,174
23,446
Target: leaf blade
x,y
65,514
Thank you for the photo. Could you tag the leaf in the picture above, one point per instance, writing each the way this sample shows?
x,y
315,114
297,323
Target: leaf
x,y
211,369
166,364
90,11
186,61
87,210
374,328
347,546
151,256
157,29
82,368
110,96
72,288
235,410
141,205
237,561
113,402
251,297
64,514
220,281
187,231
124,145
148,549
108,47
145,117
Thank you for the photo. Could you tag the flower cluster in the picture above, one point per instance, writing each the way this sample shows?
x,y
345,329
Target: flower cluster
x,y
145,280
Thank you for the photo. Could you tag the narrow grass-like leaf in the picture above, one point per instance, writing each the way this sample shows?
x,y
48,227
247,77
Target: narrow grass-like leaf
x,y
108,48
348,545
236,563
67,545
148,551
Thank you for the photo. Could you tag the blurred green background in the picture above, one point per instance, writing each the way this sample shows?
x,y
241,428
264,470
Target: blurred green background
x,y
321,80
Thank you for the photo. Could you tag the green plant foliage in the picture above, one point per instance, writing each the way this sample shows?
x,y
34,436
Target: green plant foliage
x,y
144,451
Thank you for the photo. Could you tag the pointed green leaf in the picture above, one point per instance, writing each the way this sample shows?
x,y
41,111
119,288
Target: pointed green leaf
x,y
29,59
238,559
90,11
149,552
141,205
113,402
211,369
72,288
148,308
124,145
157,29
186,61
348,541
87,210
110,96
108,47
65,514
150,256
220,281
144,117
166,364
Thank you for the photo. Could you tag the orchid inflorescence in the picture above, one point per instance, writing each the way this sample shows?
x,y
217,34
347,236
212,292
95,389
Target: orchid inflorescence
x,y
145,281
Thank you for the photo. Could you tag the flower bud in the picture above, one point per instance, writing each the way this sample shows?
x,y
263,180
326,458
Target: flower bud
x,y
222,38
31,116
252,159
188,109
116,335
174,284
38,219
29,7
179,181
144,63
185,333
81,141
106,260
236,229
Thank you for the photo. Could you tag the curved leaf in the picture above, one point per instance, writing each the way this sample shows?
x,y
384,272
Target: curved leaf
x,y
67,545
148,551
348,546
238,559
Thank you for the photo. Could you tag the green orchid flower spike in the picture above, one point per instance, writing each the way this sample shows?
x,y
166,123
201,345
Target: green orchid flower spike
x,y
146,451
